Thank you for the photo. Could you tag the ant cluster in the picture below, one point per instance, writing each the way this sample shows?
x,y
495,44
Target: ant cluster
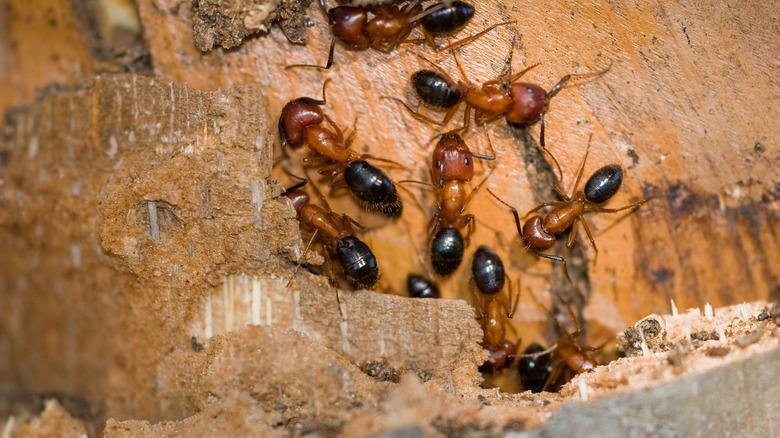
x,y
303,122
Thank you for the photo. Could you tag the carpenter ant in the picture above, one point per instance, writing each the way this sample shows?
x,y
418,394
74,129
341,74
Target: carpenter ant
x,y
336,233
390,25
570,357
452,165
301,123
488,275
539,233
521,102
421,287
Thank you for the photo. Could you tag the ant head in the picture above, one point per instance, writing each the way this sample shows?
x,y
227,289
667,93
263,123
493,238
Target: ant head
x,y
348,25
535,236
529,101
452,160
298,198
296,116
604,183
500,356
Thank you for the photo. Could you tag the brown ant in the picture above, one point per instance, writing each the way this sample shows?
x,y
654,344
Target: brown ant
x,y
336,233
539,233
570,357
522,103
391,25
301,123
488,276
452,165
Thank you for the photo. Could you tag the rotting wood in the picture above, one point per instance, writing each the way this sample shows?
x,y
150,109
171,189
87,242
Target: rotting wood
x,y
666,117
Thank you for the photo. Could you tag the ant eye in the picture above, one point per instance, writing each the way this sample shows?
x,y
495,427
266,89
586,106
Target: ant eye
x,y
467,161
438,163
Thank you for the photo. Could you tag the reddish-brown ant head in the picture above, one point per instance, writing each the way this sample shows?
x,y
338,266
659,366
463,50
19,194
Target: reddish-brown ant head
x,y
501,356
535,236
529,101
298,198
452,160
348,25
296,116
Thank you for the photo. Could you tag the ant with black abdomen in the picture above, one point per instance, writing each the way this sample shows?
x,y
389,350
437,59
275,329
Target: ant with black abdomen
x,y
301,122
521,103
388,26
488,276
336,233
452,165
539,233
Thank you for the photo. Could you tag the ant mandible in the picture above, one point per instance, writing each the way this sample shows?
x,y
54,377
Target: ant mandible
x,y
335,231
488,275
301,123
522,103
452,165
539,233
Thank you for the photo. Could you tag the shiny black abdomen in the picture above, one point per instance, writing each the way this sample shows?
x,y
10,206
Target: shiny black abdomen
x,y
421,287
358,262
447,249
373,188
604,183
448,20
488,271
433,89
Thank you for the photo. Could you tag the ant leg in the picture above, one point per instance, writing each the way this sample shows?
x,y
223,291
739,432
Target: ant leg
x,y
512,78
351,136
347,221
590,237
557,87
598,209
544,148
555,259
490,146
545,204
384,160
298,262
475,189
474,37
576,320
478,299
582,167
417,116
472,226
554,375
328,64
512,300
512,209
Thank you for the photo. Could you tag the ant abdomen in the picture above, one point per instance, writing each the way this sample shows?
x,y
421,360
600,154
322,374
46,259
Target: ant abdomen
x,y
488,271
373,188
421,287
604,183
358,262
434,90
534,371
447,249
448,20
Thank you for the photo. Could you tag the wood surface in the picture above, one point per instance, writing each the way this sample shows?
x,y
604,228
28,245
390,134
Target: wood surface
x,y
687,109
